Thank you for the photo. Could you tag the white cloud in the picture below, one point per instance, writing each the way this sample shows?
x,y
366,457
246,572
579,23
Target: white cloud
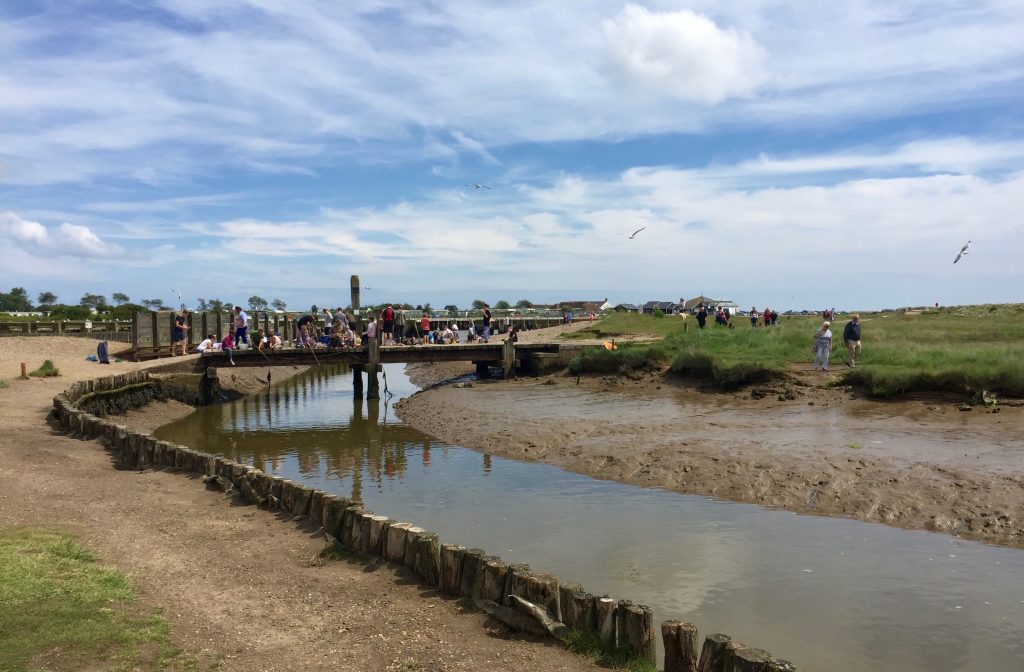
x,y
684,54
68,240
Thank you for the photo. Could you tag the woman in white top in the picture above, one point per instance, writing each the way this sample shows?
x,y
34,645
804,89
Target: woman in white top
x,y
207,343
822,346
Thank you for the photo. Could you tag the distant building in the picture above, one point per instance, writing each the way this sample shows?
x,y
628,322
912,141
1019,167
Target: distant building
x,y
667,307
626,308
585,306
713,305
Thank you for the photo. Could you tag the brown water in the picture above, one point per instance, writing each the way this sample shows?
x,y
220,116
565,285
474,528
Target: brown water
x,y
828,594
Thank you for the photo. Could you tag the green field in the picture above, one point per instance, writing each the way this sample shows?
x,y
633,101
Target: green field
x,y
63,610
967,350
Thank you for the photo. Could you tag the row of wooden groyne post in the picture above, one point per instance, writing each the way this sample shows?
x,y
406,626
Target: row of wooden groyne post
x,y
512,593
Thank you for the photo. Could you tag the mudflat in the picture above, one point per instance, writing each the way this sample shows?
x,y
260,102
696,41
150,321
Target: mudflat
x,y
241,587
922,463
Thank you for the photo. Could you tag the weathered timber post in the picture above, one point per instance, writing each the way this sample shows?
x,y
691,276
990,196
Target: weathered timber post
x,y
713,655
155,317
605,613
748,660
472,566
680,646
452,557
357,369
491,579
577,607
508,359
639,634
372,384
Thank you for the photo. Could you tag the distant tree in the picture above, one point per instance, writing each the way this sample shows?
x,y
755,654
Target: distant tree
x,y
278,304
419,306
215,305
257,303
15,300
523,303
502,305
63,312
201,304
120,298
96,301
46,299
153,304
479,303
452,308
125,311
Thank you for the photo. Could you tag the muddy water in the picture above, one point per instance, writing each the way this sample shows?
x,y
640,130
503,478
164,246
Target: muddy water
x,y
829,594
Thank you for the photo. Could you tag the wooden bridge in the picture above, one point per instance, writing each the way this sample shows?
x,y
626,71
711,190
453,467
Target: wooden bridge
x,y
506,354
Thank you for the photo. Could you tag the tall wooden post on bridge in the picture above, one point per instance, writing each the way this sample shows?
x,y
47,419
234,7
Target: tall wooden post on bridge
x,y
508,359
373,350
357,369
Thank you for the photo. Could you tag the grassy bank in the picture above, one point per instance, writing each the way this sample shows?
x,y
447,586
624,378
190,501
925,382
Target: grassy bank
x,y
961,349
63,610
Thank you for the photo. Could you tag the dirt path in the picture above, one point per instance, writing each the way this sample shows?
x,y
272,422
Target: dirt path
x,y
921,464
239,585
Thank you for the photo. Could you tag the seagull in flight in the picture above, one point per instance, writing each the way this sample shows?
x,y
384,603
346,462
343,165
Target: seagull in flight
x,y
633,235
478,186
963,251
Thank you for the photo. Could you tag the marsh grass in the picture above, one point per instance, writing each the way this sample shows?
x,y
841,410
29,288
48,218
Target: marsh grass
x,y
961,349
4,384
64,610
47,370
589,644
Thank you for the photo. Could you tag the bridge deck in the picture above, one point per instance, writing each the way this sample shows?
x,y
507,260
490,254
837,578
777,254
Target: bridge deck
x,y
396,354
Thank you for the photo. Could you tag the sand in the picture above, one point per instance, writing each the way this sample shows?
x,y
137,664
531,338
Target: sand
x,y
239,586
921,463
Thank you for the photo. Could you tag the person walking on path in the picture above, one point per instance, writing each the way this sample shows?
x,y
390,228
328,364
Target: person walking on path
x,y
387,317
178,334
851,338
753,316
702,316
241,327
822,346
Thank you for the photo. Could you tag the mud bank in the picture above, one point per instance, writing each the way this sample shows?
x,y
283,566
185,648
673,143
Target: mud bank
x,y
921,464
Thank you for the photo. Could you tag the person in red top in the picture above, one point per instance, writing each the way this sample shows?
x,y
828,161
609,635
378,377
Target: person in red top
x,y
424,326
227,345
387,317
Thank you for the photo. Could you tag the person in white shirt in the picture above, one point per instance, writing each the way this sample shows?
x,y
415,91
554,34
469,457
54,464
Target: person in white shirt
x,y
207,343
241,327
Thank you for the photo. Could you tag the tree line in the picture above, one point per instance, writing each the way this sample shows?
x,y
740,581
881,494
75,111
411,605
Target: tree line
x,y
121,306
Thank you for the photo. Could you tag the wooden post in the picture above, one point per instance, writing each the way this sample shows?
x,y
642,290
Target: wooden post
x,y
713,655
472,565
428,559
508,359
492,579
640,635
394,542
155,317
24,370
577,607
372,384
680,646
452,557
605,613
354,284
409,559
748,660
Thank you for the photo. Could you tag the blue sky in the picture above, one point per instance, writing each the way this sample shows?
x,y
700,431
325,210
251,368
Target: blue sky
x,y
782,153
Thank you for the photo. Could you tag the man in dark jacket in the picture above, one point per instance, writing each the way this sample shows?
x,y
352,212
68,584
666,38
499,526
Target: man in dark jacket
x,y
851,337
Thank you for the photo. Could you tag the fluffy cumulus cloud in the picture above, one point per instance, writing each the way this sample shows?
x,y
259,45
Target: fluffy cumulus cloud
x,y
684,54
67,240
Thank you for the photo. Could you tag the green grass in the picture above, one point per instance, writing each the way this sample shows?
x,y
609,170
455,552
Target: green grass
x,y
589,644
63,610
965,350
47,370
3,384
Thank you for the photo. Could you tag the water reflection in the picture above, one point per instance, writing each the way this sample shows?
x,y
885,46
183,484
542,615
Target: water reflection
x,y
829,594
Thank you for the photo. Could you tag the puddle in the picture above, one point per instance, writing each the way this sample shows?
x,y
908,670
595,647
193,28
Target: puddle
x,y
828,594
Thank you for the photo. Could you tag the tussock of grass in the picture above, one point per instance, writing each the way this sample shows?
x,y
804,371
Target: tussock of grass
x,y
588,643
47,370
3,384
63,610
960,349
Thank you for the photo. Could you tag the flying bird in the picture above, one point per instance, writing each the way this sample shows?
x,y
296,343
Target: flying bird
x,y
633,235
963,251
478,186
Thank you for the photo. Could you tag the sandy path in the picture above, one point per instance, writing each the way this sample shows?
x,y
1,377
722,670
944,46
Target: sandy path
x,y
236,583
917,464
